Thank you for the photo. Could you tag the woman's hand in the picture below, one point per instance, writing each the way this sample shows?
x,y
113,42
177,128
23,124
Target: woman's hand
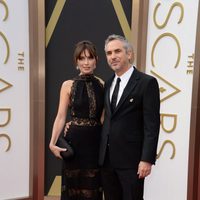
x,y
56,150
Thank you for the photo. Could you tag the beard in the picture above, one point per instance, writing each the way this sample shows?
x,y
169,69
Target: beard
x,y
115,67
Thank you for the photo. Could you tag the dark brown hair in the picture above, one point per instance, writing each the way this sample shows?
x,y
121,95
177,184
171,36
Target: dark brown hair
x,y
80,47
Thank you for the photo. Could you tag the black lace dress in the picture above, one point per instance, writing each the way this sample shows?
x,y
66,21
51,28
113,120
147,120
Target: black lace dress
x,y
81,174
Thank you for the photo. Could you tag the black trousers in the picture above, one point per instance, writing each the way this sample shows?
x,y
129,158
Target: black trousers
x,y
121,184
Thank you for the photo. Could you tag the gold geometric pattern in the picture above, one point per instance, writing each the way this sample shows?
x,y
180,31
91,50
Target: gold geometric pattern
x,y
162,148
7,85
8,139
177,43
7,47
163,89
54,19
6,8
58,9
8,111
122,19
176,4
55,189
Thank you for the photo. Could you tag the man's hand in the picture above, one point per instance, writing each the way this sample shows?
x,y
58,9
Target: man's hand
x,y
144,169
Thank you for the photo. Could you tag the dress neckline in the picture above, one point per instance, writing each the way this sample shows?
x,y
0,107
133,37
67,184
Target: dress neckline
x,y
86,76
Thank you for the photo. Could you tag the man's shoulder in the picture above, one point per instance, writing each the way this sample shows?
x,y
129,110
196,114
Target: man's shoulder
x,y
109,80
144,75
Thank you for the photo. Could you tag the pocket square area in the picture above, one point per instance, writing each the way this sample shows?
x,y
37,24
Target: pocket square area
x,y
131,100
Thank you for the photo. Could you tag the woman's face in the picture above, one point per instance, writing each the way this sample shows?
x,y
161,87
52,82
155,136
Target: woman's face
x,y
86,63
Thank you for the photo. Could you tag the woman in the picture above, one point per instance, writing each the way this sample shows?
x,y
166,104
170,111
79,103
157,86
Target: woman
x,y
84,97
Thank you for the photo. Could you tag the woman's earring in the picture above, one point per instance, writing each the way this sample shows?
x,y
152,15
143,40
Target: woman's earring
x,y
77,67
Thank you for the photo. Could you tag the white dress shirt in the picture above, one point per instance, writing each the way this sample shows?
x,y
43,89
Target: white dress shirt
x,y
124,80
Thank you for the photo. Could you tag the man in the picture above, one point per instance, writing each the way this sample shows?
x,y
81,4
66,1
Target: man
x,y
131,124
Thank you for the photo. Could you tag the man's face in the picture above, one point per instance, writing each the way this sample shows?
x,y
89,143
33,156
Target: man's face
x,y
117,56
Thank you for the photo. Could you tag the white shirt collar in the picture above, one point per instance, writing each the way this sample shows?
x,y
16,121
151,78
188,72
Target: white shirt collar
x,y
124,80
125,77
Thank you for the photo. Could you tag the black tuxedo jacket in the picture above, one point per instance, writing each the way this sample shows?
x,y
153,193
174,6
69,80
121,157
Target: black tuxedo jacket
x,y
132,129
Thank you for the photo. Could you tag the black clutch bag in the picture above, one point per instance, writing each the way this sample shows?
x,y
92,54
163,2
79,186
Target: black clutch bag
x,y
69,153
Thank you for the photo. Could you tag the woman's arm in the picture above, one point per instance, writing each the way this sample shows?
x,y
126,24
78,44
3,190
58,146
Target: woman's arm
x,y
60,117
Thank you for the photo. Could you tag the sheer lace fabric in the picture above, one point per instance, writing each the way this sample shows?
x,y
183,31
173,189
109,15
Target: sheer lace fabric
x,y
88,184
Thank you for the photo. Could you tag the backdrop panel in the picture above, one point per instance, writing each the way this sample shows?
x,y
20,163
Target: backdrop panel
x,y
67,23
14,100
170,58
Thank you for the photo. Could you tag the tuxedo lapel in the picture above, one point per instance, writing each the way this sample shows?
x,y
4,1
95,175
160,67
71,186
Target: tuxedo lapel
x,y
129,87
107,96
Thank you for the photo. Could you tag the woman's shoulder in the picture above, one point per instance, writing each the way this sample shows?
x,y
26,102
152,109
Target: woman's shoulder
x,y
66,86
67,83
